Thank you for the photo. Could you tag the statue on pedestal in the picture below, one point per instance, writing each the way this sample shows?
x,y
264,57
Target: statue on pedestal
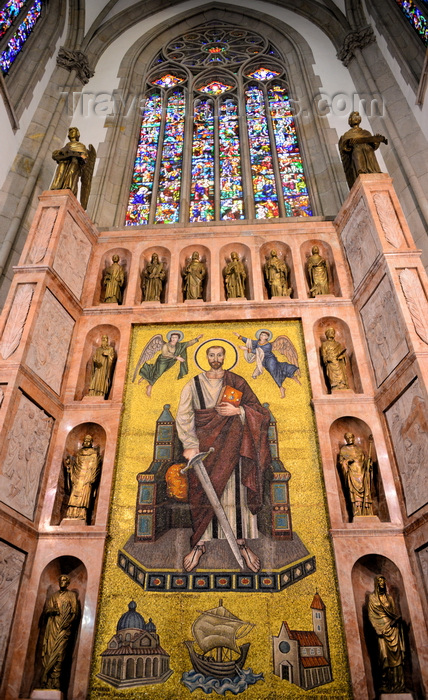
x,y
61,611
317,273
333,355
152,279
75,162
387,624
114,278
82,474
194,274
276,274
234,278
357,470
102,369
357,149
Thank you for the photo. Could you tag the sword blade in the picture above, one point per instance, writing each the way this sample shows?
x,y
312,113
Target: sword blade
x,y
206,484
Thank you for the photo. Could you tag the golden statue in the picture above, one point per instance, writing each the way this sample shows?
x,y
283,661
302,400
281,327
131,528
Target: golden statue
x,y
75,162
334,357
194,274
234,278
82,473
357,468
102,369
61,611
114,279
357,149
387,624
276,273
152,279
317,273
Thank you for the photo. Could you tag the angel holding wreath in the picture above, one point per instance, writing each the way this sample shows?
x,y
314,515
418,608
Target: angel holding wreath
x,y
261,351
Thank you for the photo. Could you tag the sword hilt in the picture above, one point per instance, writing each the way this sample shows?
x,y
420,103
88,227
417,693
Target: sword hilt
x,y
197,458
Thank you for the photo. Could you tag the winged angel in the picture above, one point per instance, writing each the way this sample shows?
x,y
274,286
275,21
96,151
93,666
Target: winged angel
x,y
74,161
171,350
261,351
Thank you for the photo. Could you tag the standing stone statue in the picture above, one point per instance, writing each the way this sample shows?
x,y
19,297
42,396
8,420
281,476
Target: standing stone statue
x,y
82,471
114,278
75,162
194,274
357,149
102,369
317,273
61,612
357,468
152,279
387,624
276,274
333,355
234,278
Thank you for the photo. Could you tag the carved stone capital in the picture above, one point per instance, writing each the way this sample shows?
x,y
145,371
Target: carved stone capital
x,y
357,39
75,60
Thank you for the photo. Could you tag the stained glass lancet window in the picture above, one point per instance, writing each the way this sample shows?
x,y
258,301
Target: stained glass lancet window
x,y
199,158
19,37
416,18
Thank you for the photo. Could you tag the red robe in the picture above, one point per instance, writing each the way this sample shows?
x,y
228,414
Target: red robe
x,y
232,441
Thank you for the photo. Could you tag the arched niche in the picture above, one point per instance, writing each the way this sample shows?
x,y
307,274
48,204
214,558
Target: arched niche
x,y
125,258
245,257
185,257
92,342
73,443
343,336
326,252
362,432
363,577
48,584
145,258
284,254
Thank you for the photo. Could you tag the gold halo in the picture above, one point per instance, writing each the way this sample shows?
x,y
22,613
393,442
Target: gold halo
x,y
231,357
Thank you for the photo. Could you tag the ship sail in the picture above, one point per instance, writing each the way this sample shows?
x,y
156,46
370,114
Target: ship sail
x,y
218,627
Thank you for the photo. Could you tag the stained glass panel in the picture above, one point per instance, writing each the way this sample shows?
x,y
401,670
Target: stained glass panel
x,y
265,195
145,163
8,14
167,81
263,74
21,35
231,200
168,205
202,189
294,187
415,17
215,88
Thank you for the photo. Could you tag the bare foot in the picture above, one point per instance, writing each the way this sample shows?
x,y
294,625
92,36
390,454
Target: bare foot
x,y
149,389
191,560
282,392
251,559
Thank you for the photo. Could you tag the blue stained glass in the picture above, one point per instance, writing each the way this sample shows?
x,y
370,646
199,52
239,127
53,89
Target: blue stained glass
x,y
294,187
265,195
145,162
263,74
415,17
168,205
8,14
21,35
202,190
231,201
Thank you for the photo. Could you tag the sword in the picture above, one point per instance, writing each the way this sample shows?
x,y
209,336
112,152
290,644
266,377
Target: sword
x,y
197,463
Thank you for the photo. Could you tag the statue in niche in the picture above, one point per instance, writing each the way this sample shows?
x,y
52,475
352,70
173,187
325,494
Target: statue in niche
x,y
357,149
234,278
387,623
357,468
102,369
318,273
61,612
276,274
152,279
75,162
114,279
333,355
194,274
82,474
